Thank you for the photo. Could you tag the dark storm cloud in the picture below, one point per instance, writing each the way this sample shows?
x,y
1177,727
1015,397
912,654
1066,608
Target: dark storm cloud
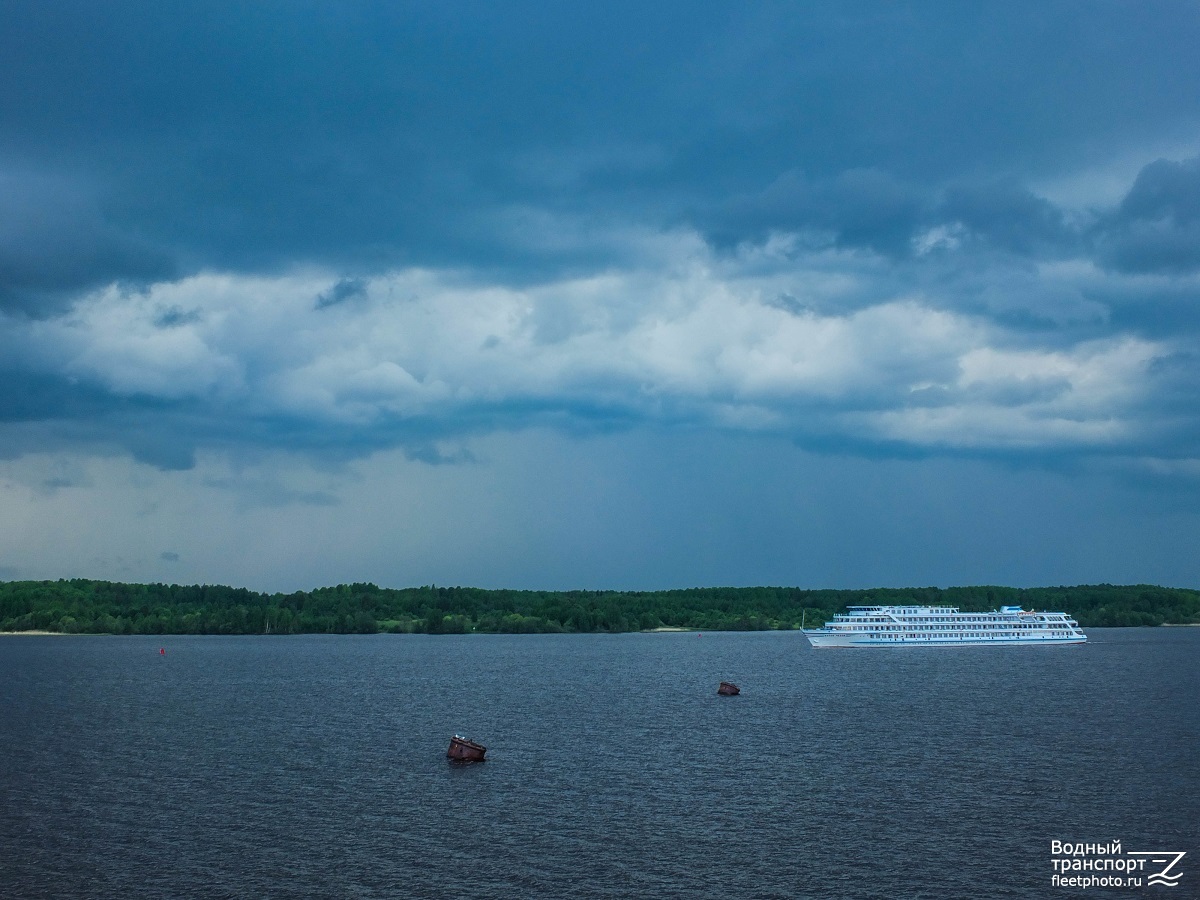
x,y
255,137
1008,216
1157,226
55,241
28,396
870,209
344,290
174,317
100,422
1165,189
858,208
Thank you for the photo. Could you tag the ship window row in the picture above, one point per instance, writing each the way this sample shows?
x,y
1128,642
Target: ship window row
x,y
1006,627
990,619
969,634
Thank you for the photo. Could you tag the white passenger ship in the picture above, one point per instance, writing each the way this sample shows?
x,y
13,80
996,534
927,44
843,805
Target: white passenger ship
x,y
944,626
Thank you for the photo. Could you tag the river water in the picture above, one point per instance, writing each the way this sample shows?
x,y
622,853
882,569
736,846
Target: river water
x,y
315,766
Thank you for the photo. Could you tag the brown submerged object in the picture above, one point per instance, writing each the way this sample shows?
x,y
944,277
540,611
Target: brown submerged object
x,y
465,750
728,689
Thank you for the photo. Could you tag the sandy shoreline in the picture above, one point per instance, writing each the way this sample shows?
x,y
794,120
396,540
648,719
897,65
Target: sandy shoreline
x,y
38,633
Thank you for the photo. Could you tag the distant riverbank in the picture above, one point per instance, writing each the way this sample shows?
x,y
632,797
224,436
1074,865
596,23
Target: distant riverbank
x,y
83,606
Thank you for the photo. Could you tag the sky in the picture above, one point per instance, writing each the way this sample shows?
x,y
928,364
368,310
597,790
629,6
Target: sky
x,y
631,296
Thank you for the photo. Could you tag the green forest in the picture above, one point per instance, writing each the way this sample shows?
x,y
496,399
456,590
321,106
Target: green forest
x,y
81,606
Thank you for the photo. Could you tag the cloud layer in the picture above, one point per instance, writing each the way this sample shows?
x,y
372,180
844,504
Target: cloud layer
x,y
892,234
823,345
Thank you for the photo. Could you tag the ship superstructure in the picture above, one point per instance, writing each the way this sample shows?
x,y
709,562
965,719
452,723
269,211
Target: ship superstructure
x,y
944,626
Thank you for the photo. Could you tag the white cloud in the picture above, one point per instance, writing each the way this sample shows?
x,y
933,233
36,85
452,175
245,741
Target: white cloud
x,y
694,337
939,237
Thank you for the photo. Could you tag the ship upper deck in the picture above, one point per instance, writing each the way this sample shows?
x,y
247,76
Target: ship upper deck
x,y
944,614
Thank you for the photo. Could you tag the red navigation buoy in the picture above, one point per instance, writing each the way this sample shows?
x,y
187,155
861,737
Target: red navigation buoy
x,y
162,651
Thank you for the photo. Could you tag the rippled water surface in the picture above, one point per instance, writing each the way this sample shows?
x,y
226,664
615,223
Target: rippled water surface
x,y
315,766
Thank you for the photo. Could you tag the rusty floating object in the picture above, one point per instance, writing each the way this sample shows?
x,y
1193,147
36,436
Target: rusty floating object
x,y
465,750
728,689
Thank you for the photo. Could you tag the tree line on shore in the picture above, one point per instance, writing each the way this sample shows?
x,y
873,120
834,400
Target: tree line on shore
x,y
103,607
